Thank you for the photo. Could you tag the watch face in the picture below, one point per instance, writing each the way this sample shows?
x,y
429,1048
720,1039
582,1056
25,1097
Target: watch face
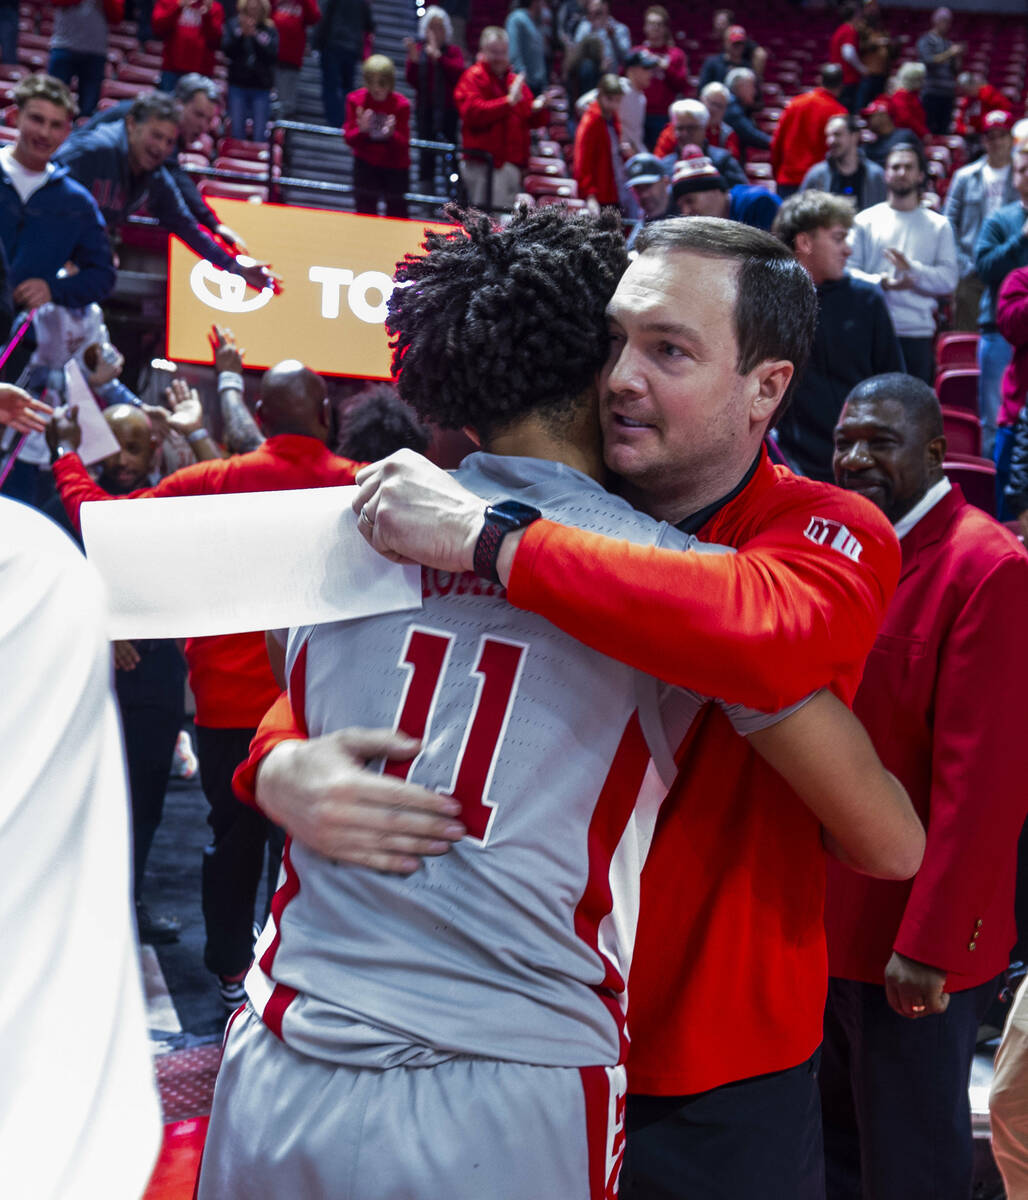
x,y
512,514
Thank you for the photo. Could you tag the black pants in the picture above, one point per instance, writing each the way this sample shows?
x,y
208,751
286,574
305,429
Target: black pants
x,y
151,702
234,858
434,127
759,1137
938,111
897,1120
919,356
370,182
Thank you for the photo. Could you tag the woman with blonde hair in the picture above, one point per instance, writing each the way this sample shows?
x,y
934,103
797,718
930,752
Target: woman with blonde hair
x,y
905,105
251,46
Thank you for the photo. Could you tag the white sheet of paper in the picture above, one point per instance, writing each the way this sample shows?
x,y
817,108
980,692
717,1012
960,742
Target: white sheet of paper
x,y
97,440
193,566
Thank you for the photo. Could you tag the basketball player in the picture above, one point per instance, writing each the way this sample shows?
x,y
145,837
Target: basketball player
x,y
461,1032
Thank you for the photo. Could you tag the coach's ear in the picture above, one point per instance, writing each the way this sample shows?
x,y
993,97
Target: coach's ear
x,y
473,434
771,378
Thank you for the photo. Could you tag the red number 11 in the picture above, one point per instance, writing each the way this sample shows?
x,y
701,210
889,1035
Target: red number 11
x,y
498,668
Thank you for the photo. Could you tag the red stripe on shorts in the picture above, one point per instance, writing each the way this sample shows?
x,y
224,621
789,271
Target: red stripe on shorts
x,y
604,1130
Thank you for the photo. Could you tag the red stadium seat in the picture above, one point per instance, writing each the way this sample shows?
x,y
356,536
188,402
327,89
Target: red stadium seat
x,y
114,89
140,59
759,170
977,481
963,431
569,202
12,72
7,134
231,147
33,59
550,185
246,166
547,149
956,350
189,158
129,73
231,190
957,387
547,166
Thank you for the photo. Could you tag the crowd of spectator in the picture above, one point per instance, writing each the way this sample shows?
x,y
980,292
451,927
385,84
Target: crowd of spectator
x,y
898,182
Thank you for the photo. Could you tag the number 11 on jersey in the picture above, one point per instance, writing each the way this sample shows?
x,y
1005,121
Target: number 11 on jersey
x,y
498,666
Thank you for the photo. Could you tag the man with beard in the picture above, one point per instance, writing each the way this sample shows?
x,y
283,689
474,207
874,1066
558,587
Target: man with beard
x,y
846,171
911,254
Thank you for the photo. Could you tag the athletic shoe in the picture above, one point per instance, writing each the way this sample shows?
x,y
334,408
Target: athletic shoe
x,y
156,931
183,761
231,990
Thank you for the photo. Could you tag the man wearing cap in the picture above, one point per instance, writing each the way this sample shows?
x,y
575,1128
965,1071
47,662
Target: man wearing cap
x,y
845,171
940,57
699,190
911,254
878,116
1001,247
650,185
738,51
799,139
975,193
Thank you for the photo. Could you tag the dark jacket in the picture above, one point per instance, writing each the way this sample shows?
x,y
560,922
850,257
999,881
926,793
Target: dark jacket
x,y
854,340
98,159
183,180
251,59
60,223
748,134
867,188
1016,491
343,26
1000,248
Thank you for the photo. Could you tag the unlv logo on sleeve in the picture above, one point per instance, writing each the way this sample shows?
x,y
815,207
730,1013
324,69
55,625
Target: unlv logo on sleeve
x,y
834,534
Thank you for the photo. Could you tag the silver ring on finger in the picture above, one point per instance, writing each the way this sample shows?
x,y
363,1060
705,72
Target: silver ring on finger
x,y
364,517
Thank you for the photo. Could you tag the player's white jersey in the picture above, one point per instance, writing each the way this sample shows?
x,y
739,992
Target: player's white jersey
x,y
516,944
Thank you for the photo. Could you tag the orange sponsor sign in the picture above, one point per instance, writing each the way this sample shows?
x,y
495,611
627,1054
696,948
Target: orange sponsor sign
x,y
336,271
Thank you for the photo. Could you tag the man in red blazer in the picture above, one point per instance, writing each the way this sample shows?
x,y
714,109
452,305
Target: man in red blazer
x,y
914,965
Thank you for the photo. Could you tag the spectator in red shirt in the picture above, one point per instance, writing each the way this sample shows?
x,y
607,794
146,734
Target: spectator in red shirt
x,y
844,50
976,99
799,139
377,130
905,104
598,167
670,78
497,109
191,31
434,64
291,17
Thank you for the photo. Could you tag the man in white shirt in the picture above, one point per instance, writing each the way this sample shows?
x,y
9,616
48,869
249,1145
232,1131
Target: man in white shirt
x,y
975,193
910,252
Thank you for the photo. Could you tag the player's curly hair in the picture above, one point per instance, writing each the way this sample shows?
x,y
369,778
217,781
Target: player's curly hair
x,y
493,324
377,422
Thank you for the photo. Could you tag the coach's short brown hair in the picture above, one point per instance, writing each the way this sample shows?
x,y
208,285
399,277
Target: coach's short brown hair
x,y
46,87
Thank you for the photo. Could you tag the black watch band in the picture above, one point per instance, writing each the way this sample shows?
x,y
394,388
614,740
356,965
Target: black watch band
x,y
500,519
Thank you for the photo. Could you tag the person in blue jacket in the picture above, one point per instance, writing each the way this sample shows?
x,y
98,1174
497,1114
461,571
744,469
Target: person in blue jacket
x,y
122,165
698,189
46,218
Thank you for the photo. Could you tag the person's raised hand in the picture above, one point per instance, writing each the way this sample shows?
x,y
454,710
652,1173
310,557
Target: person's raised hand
x,y
914,989
411,46
259,276
227,355
32,293
106,369
21,411
517,86
247,26
63,431
126,656
364,118
186,414
321,792
412,511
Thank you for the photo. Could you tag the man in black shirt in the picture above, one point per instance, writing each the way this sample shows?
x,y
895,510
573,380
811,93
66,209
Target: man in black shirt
x,y
845,170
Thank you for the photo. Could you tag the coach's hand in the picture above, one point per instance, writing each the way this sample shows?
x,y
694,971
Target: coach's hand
x,y
914,989
412,511
322,794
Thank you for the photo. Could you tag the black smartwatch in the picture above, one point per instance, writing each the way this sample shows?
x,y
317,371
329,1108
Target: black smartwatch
x,y
500,519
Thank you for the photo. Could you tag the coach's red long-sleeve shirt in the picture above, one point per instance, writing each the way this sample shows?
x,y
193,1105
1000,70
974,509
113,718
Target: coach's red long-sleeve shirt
x,y
230,675
731,932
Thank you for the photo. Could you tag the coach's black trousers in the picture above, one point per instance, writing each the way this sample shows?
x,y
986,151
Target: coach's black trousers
x,y
897,1119
234,858
758,1139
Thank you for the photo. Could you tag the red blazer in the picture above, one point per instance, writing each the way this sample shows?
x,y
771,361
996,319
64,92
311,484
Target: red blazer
x,y
799,139
593,166
943,700
488,122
